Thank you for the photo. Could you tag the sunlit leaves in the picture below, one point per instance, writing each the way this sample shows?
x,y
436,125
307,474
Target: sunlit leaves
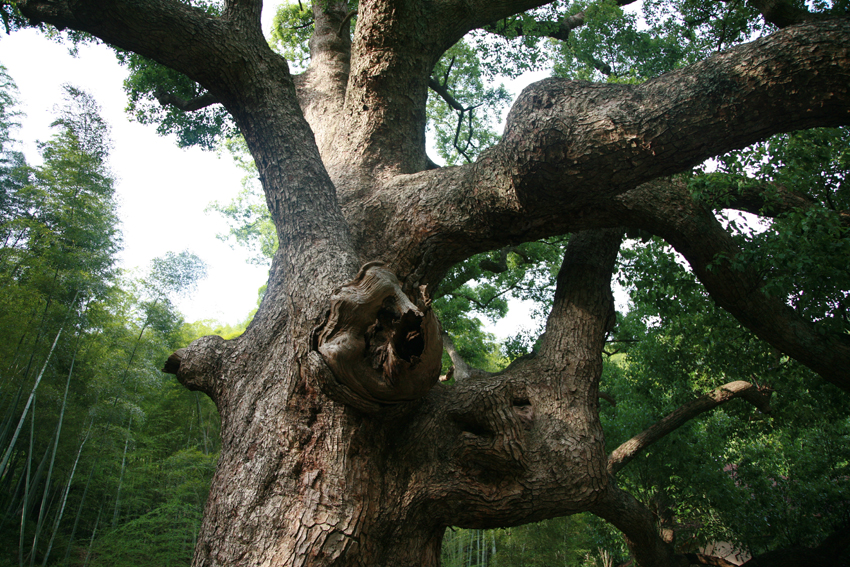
x,y
247,214
801,254
460,135
60,230
761,481
176,274
483,284
148,81
291,31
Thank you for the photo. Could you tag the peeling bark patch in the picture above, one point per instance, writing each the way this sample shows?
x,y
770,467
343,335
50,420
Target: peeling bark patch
x,y
381,344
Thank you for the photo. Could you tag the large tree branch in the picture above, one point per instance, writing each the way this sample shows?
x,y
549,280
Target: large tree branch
x,y
783,13
560,130
229,57
622,455
667,209
203,101
469,15
636,521
583,291
394,50
569,144
321,89
173,33
247,12
535,425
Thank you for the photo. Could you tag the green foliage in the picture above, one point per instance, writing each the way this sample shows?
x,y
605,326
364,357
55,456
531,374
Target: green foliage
x,y
12,18
460,135
292,28
148,81
248,215
761,481
619,45
482,285
560,541
124,442
801,254
519,43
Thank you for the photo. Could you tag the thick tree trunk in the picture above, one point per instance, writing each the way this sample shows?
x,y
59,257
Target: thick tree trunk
x,y
306,479
337,446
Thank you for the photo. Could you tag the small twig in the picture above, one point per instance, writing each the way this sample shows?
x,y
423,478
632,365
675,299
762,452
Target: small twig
x,y
448,71
203,101
345,20
608,398
444,94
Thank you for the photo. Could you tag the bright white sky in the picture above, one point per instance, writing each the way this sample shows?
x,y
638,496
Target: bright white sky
x,y
162,190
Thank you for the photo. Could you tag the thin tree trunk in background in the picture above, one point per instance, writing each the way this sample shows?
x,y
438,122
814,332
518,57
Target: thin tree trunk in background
x,y
39,472
37,336
93,534
10,415
26,327
121,475
65,498
77,517
43,512
26,491
27,407
10,509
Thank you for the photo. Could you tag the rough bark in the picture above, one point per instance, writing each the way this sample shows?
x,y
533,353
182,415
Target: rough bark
x,y
325,465
636,522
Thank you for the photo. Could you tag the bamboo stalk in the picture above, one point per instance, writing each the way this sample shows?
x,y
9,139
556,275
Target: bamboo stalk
x,y
77,517
27,407
43,512
26,490
93,534
64,499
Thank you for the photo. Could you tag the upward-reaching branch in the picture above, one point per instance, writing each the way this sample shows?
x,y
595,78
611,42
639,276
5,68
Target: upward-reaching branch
x,y
247,12
469,15
783,13
568,144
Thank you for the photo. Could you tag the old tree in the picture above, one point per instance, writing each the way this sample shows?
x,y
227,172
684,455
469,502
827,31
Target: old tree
x,y
339,447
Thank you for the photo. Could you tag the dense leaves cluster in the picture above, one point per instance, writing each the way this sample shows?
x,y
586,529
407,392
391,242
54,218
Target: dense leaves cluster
x,y
104,460
761,481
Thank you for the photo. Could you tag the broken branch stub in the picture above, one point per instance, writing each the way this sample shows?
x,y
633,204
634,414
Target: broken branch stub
x,y
380,343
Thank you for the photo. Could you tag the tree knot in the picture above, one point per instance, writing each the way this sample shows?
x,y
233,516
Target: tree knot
x,y
378,342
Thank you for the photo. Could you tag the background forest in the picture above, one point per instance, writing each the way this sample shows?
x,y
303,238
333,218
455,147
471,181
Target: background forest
x,y
107,461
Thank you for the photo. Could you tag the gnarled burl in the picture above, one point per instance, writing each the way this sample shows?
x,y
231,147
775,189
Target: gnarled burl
x,y
379,343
